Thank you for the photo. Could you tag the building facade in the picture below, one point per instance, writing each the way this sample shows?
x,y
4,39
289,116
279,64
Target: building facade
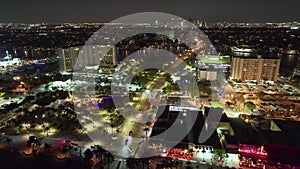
x,y
87,57
207,75
67,58
255,69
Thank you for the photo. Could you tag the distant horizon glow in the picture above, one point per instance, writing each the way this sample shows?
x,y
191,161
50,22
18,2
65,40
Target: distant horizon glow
x,y
91,11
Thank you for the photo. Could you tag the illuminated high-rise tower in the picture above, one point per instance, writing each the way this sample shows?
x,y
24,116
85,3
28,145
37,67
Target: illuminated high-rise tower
x,y
254,68
89,58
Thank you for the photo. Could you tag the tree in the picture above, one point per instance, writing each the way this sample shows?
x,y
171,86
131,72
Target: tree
x,y
65,149
235,108
88,154
20,127
47,147
32,126
249,105
47,129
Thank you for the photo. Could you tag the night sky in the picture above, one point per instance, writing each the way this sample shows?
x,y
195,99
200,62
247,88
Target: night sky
x,y
57,11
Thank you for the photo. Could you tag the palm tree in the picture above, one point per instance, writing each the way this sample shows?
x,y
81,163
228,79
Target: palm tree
x,y
88,154
20,127
47,130
32,126
65,149
47,147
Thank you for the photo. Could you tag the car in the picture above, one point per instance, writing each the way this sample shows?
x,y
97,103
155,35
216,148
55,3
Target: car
x,y
74,144
32,138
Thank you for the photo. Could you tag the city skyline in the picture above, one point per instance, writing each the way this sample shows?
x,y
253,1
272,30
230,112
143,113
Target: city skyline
x,y
194,85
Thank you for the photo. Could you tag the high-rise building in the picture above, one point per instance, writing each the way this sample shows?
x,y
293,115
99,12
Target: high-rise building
x,y
212,67
296,71
68,58
89,57
254,68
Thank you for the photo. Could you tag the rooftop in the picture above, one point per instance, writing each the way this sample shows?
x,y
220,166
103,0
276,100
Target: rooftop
x,y
244,133
169,118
